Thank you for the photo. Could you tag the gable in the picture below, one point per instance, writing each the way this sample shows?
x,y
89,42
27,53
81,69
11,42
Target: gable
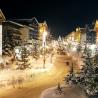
x,y
2,17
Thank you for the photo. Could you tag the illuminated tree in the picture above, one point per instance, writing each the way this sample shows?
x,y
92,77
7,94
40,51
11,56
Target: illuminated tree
x,y
35,53
87,77
23,63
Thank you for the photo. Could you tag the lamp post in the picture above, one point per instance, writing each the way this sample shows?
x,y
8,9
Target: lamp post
x,y
44,48
42,35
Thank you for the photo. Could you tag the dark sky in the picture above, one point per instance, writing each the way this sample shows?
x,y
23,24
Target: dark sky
x,y
62,16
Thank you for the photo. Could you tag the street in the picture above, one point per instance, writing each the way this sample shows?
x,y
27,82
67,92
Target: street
x,y
43,81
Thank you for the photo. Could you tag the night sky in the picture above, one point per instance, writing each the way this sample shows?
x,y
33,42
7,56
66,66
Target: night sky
x,y
62,16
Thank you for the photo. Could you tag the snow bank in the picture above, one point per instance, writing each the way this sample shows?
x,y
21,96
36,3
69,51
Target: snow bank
x,y
67,93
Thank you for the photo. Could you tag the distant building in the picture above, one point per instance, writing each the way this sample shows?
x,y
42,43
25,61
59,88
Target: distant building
x,y
78,35
18,31
91,37
83,35
70,36
14,34
87,34
32,24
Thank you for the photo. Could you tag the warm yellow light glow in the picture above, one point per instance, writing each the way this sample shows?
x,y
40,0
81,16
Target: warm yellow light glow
x,y
41,56
41,30
96,22
0,39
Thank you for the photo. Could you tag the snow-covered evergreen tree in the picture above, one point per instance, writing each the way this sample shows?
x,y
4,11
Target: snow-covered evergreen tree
x,y
23,63
87,78
79,49
35,53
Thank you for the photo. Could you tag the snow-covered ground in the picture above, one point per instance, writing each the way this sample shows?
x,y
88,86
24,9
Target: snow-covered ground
x,y
9,75
67,92
36,80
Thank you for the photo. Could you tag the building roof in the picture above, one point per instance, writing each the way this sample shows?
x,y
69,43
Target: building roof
x,y
31,23
18,25
2,17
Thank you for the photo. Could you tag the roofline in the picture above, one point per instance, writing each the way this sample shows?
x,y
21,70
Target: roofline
x,y
21,25
16,23
2,14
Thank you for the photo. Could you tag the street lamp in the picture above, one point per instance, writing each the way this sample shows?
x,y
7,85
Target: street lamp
x,y
44,38
44,47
